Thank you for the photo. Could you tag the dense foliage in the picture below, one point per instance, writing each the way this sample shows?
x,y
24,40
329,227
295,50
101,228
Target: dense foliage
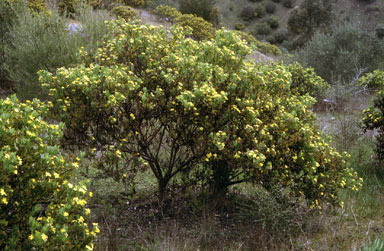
x,y
343,53
374,115
39,208
152,99
309,17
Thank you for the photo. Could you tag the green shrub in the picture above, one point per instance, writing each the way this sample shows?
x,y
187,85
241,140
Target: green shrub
x,y
259,11
276,1
167,11
373,80
263,47
69,7
311,16
305,80
201,29
180,105
40,42
39,208
136,3
273,22
9,11
263,28
379,31
270,7
239,26
373,118
124,12
289,3
201,8
343,53
247,13
281,36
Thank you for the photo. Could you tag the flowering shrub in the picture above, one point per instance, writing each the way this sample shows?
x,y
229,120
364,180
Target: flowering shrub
x,y
39,208
175,105
166,11
374,115
201,29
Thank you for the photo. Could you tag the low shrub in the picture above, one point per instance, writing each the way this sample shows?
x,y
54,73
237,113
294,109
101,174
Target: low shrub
x,y
69,7
40,209
265,48
166,11
276,1
373,118
379,31
281,36
247,13
289,3
201,8
136,3
373,80
343,53
201,29
125,12
239,26
40,42
259,11
263,28
273,22
270,7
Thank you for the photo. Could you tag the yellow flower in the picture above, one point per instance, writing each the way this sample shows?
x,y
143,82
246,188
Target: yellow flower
x,y
4,201
44,237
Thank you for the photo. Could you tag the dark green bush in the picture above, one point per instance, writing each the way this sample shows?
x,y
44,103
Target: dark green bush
x,y
239,26
259,11
312,15
40,209
125,12
289,3
270,7
263,28
343,53
281,36
247,13
276,1
40,42
379,31
201,8
273,22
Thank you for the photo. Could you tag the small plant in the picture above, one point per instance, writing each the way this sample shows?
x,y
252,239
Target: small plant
x,y
270,7
263,28
239,26
263,47
40,209
276,1
375,245
125,12
273,22
288,3
247,13
259,11
379,31
201,8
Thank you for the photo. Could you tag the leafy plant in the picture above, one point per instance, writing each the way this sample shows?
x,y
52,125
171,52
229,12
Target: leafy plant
x,y
270,7
375,245
201,8
39,207
263,28
124,12
273,22
309,17
167,11
259,11
343,53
